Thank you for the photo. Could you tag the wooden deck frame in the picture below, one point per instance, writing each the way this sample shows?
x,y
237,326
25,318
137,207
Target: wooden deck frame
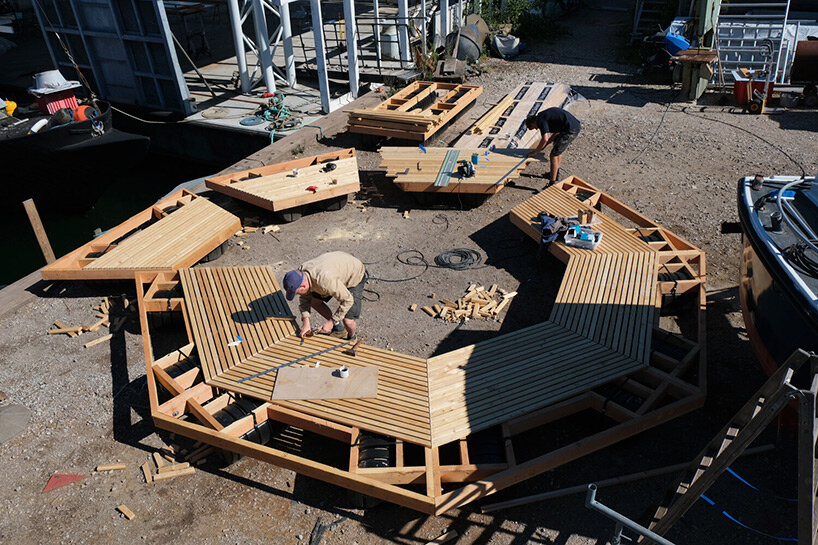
x,y
179,251
404,116
263,188
673,384
503,126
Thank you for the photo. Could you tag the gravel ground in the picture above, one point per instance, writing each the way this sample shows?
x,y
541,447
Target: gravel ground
x,y
677,164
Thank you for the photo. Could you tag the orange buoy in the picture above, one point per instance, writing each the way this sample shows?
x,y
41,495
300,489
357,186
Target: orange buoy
x,y
84,112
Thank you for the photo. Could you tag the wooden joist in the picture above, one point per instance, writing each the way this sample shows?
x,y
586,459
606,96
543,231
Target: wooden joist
x,y
415,112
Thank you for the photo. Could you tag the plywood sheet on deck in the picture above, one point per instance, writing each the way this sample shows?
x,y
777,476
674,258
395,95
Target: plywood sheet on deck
x,y
325,383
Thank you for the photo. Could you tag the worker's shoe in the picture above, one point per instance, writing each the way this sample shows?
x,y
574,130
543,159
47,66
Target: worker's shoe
x,y
338,330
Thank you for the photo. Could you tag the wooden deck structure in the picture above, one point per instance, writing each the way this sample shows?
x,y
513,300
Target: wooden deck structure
x,y
174,233
415,112
600,350
295,183
503,126
434,170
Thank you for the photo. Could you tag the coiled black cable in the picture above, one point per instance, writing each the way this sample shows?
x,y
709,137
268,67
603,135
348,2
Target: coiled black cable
x,y
459,259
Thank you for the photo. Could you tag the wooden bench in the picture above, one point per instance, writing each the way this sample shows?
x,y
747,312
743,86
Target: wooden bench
x,y
174,233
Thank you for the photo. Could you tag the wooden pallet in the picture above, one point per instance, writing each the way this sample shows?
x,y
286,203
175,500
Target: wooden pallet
x,y
416,170
503,126
286,185
633,373
416,112
174,233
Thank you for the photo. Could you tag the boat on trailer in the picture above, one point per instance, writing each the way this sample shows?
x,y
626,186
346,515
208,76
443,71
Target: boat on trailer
x,y
779,265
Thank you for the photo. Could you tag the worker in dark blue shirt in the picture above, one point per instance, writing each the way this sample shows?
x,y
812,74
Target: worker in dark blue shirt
x,y
557,127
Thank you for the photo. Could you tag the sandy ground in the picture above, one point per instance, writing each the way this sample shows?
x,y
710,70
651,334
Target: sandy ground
x,y
676,163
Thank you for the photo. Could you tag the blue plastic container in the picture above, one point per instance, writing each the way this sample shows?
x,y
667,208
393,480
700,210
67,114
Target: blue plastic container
x,y
675,43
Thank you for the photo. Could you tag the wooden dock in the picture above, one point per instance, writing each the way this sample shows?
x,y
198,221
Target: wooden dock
x,y
600,350
503,126
292,184
434,170
174,233
416,112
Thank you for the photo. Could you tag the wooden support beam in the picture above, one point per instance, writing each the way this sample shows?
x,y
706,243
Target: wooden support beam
x,y
433,488
39,231
354,450
309,468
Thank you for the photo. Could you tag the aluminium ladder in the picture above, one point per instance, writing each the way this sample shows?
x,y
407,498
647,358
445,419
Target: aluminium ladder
x,y
738,434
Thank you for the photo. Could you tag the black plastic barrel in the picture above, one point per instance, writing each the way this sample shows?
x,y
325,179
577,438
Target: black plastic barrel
x,y
470,44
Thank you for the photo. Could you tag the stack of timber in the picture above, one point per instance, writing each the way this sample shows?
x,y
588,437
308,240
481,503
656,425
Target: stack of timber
x,y
176,232
477,303
436,169
503,126
292,184
416,112
600,350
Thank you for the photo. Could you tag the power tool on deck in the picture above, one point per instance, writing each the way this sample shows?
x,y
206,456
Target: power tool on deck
x,y
465,169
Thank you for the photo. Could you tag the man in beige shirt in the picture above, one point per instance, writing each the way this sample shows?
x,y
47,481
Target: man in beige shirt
x,y
331,275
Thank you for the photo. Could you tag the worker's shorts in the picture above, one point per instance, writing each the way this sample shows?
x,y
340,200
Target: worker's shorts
x,y
357,294
561,142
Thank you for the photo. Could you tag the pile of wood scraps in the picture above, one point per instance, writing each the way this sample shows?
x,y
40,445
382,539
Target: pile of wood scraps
x,y
416,112
104,320
477,303
166,463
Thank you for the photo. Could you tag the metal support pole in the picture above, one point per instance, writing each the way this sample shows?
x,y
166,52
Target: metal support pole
x,y
403,31
352,47
424,37
621,520
287,38
459,13
263,45
377,29
320,54
444,19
